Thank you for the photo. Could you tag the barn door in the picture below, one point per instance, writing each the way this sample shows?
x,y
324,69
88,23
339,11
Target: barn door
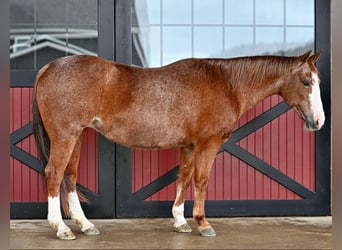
x,y
40,32
270,165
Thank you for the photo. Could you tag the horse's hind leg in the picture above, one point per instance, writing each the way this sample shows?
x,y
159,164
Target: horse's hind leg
x,y
75,209
60,153
186,171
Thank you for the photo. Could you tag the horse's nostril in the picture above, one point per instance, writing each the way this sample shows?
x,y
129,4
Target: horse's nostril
x,y
313,124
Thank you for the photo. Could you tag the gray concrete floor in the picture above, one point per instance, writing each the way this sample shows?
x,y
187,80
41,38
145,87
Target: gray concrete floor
x,y
232,233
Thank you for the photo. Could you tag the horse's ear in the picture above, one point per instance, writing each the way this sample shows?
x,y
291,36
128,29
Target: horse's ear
x,y
303,58
315,57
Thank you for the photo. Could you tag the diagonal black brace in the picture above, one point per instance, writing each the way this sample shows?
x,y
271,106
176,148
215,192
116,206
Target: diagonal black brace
x,y
21,133
29,160
21,155
156,185
259,122
268,170
258,164
26,158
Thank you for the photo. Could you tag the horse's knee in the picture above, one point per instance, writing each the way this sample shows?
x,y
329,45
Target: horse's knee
x,y
201,183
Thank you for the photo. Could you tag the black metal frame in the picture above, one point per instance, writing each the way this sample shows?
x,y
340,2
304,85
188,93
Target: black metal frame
x,y
115,198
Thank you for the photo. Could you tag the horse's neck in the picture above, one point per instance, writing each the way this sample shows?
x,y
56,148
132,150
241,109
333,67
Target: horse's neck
x,y
249,97
254,83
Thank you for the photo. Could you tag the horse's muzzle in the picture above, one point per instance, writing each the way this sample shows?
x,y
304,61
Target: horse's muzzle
x,y
313,124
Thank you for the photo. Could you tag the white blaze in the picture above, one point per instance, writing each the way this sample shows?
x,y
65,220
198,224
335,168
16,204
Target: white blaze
x,y
316,102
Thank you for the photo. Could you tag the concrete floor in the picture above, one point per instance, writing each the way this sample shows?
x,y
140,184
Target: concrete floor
x,y
232,233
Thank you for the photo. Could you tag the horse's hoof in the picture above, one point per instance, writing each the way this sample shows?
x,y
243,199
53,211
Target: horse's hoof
x,y
66,235
91,231
208,232
185,228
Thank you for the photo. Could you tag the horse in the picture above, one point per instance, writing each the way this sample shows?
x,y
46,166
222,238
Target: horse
x,y
193,104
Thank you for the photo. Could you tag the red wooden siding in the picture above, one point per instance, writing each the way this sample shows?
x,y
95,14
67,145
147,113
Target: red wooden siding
x,y
148,165
26,184
283,143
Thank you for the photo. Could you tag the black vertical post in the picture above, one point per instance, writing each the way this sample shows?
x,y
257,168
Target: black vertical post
x,y
123,24
106,148
123,54
323,137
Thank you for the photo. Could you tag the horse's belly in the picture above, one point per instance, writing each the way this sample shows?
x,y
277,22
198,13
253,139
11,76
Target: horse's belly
x,y
148,139
143,135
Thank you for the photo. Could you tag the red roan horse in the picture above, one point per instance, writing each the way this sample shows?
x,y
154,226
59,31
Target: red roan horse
x,y
193,104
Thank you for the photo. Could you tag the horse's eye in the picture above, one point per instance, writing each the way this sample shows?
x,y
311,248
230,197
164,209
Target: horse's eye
x,y
306,83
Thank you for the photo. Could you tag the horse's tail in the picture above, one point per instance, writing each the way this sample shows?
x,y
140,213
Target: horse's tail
x,y
43,147
42,138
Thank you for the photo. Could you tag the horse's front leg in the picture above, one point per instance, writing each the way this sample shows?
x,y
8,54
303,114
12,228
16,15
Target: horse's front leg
x,y
204,158
186,170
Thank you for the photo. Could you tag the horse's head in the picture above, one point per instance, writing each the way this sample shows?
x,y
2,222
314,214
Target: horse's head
x,y
301,90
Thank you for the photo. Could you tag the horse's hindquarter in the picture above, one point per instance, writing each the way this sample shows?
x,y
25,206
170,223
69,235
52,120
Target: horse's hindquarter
x,y
68,92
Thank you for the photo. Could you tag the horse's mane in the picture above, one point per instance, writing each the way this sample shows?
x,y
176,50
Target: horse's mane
x,y
253,70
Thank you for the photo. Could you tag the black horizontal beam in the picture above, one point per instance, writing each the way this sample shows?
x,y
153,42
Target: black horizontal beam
x,y
23,78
